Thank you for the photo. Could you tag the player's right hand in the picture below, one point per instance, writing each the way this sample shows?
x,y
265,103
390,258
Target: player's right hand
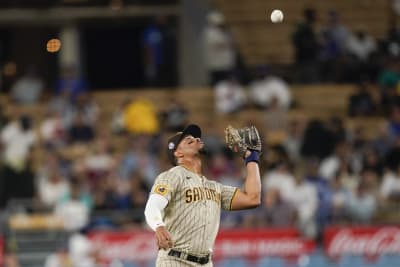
x,y
164,239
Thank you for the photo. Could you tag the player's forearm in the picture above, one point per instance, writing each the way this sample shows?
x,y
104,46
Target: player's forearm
x,y
153,210
253,183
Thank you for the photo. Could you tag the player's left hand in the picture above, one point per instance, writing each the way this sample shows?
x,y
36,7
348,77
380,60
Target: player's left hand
x,y
164,239
242,140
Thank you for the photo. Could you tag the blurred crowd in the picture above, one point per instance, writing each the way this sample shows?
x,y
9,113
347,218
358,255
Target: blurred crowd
x,y
320,173
325,50
94,173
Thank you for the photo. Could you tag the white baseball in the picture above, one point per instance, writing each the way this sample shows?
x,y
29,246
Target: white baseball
x,y
276,16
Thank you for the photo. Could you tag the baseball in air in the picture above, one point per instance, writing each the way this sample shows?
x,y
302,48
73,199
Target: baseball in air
x,y
276,16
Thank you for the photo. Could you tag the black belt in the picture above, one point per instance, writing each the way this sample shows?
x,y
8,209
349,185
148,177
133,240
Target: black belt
x,y
189,257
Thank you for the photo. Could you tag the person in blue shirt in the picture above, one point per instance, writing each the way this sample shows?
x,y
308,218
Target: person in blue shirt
x,y
70,83
156,44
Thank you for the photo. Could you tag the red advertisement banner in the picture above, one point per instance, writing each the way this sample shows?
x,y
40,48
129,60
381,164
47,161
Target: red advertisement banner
x,y
141,246
259,243
367,241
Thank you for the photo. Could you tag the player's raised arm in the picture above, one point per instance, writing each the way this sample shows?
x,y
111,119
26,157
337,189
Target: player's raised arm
x,y
247,142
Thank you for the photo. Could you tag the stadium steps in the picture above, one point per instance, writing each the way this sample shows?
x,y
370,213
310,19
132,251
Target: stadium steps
x,y
34,246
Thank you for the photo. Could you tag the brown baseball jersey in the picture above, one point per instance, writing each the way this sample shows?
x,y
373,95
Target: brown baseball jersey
x,y
192,215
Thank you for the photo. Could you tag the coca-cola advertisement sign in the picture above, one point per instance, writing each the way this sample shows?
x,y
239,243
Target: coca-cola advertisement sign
x,y
141,245
259,243
130,246
368,241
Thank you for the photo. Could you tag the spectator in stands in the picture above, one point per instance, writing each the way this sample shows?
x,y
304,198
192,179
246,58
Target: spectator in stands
x,y
306,47
52,130
267,87
230,96
86,106
220,51
82,251
340,196
156,49
304,199
345,177
293,141
337,30
139,159
99,161
382,142
140,117
324,193
328,57
331,165
361,103
70,83
18,138
80,131
361,204
73,210
394,123
389,82
390,186
280,178
373,161
52,186
133,198
360,45
317,140
277,212
28,88
175,116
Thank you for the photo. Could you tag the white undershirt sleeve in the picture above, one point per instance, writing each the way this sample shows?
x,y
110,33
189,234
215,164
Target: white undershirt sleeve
x,y
154,206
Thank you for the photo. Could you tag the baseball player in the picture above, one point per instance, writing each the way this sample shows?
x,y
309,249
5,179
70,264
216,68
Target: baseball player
x,y
184,206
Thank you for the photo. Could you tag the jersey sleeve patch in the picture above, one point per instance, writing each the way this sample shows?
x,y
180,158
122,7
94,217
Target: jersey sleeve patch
x,y
161,189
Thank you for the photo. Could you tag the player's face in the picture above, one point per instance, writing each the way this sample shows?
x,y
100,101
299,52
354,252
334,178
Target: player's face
x,y
190,145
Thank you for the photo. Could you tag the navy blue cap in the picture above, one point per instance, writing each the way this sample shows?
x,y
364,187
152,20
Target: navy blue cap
x,y
174,141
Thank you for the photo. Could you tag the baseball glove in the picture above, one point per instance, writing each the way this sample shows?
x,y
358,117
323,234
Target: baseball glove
x,y
243,139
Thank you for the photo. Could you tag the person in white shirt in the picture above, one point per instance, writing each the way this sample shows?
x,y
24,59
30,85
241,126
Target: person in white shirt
x,y
52,188
390,187
280,178
230,96
17,138
52,130
73,212
267,88
82,251
220,52
304,198
361,45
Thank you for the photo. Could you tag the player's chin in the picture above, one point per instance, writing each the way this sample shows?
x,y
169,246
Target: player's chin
x,y
203,150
